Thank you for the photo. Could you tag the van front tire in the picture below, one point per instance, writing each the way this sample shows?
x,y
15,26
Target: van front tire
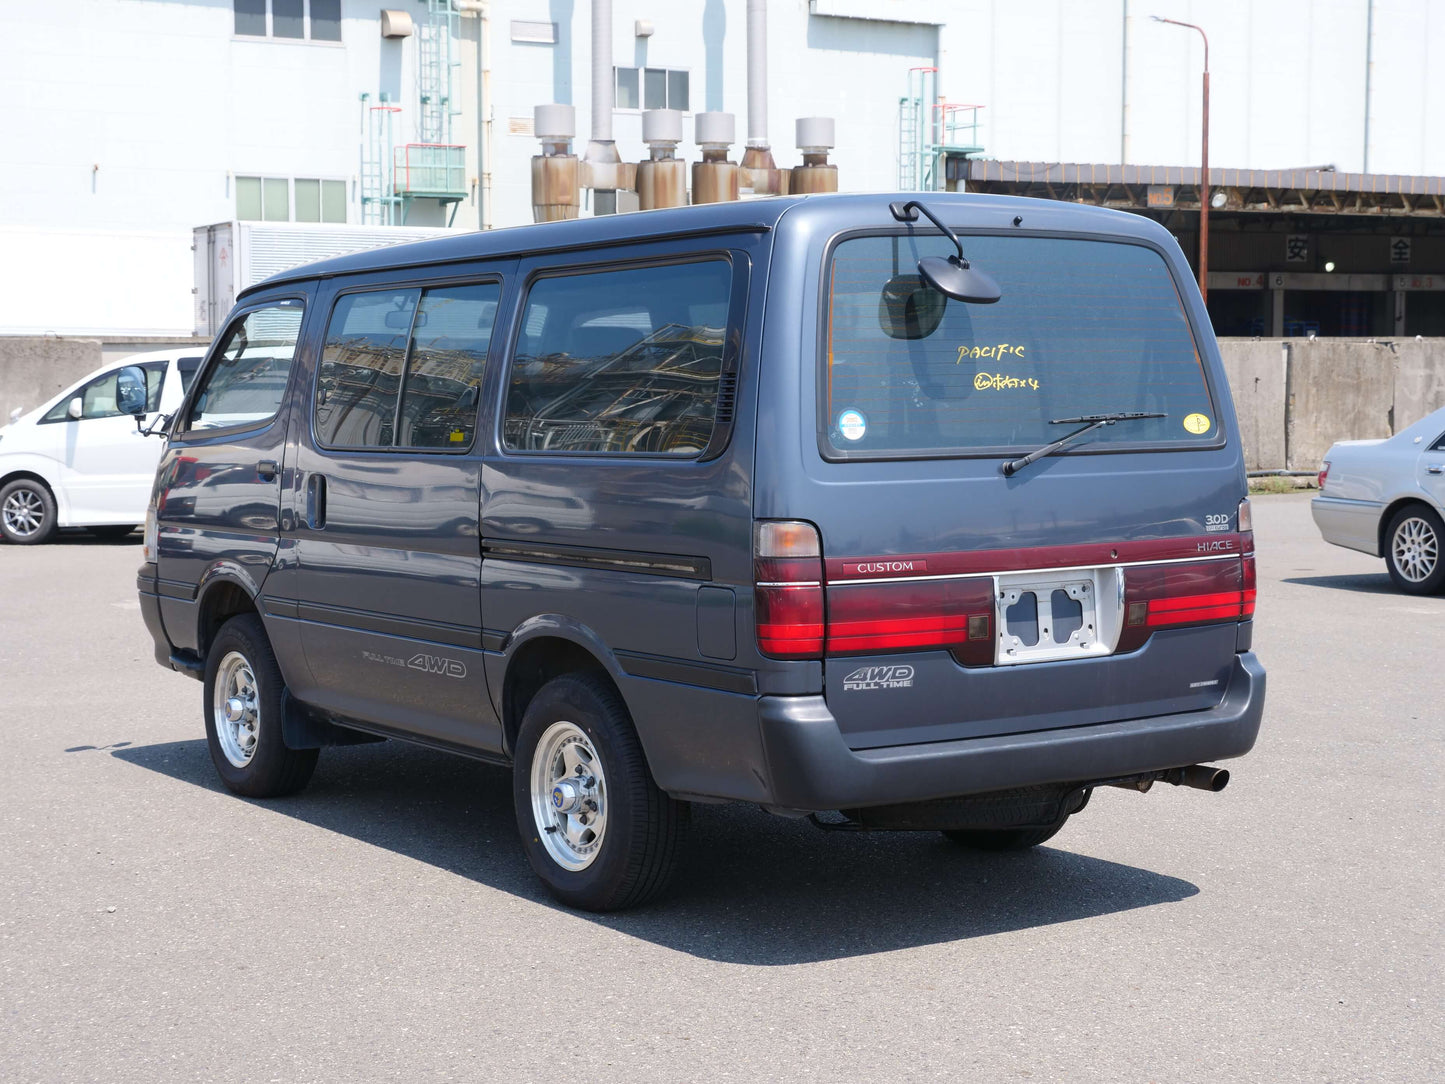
x,y
595,826
243,706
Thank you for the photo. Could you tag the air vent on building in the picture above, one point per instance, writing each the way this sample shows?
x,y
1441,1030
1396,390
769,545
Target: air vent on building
x,y
395,24
536,33
520,126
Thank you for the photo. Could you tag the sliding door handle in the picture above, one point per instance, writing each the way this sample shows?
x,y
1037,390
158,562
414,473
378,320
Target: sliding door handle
x,y
267,468
316,501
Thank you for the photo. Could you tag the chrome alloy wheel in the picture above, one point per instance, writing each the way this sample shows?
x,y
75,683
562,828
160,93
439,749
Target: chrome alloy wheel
x,y
569,796
23,512
237,709
1416,549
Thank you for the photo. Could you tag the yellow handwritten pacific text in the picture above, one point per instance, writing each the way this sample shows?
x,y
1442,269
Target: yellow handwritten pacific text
x,y
1002,350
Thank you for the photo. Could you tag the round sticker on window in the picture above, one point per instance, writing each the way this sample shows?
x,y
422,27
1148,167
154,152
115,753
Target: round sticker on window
x,y
1197,424
852,425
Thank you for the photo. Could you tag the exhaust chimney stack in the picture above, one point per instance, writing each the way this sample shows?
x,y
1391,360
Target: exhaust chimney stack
x,y
815,139
554,171
759,172
662,178
714,179
601,165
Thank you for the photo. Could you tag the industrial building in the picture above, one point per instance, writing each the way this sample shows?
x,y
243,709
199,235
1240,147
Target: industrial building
x,y
132,122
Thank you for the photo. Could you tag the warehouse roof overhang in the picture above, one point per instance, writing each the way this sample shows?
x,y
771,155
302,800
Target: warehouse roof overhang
x,y
1302,191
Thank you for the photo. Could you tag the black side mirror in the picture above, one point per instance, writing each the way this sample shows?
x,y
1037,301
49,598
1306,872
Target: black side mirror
x,y
953,277
130,390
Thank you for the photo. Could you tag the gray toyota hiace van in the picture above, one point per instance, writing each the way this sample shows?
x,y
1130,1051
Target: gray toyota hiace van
x,y
915,512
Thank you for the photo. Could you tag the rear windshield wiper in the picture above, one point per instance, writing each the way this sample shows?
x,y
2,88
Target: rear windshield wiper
x,y
1087,423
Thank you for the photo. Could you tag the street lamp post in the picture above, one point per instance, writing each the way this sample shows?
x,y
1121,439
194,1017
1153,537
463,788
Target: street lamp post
x,y
1204,166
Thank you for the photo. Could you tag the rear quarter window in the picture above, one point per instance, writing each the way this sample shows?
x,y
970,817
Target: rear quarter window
x,y
1083,327
627,361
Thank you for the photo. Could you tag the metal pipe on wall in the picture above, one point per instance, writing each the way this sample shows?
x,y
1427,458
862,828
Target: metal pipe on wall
x,y
602,84
478,8
758,171
601,166
757,73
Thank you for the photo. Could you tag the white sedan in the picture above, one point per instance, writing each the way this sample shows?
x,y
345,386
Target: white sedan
x,y
1387,498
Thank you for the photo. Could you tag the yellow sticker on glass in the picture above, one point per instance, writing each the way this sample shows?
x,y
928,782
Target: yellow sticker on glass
x,y
458,436
1197,424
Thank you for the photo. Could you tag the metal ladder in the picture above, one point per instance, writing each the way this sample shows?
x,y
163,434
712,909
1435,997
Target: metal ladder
x,y
379,200
438,71
916,118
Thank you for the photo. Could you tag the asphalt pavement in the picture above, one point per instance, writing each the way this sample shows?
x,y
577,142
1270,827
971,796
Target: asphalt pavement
x,y
384,925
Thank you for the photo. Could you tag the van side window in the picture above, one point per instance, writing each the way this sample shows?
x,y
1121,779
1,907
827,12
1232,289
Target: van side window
x,y
624,361
444,374
247,381
98,398
361,368
188,368
404,368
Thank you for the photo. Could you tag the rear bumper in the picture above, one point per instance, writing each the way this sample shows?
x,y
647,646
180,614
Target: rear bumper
x,y
150,612
810,767
1352,524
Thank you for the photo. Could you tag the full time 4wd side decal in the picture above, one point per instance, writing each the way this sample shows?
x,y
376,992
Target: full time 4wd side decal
x,y
866,678
435,665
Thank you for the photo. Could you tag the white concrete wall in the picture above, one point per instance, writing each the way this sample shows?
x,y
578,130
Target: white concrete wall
x,y
127,120
1287,81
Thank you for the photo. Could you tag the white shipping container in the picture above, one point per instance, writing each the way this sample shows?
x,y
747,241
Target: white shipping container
x,y
230,256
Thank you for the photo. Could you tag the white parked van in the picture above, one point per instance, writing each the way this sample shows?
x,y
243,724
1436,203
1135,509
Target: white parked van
x,y
80,460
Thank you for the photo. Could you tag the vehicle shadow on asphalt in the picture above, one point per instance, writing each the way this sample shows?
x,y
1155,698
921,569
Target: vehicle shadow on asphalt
x,y
1378,583
751,888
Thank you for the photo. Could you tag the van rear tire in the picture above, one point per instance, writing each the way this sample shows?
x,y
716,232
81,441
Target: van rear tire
x,y
595,826
243,708
1002,839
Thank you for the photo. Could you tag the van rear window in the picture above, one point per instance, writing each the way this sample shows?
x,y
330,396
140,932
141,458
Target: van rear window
x,y
1083,327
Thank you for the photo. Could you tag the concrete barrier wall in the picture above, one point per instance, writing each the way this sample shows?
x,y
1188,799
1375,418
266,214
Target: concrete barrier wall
x,y
1296,397
1256,373
34,369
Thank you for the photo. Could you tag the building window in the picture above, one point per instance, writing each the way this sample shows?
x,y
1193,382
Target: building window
x,y
319,20
652,88
272,199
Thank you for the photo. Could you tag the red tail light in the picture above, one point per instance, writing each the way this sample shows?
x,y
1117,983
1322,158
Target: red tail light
x,y
1195,593
904,615
1324,473
788,589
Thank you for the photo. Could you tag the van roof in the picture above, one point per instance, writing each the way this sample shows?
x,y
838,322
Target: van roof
x,y
755,215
